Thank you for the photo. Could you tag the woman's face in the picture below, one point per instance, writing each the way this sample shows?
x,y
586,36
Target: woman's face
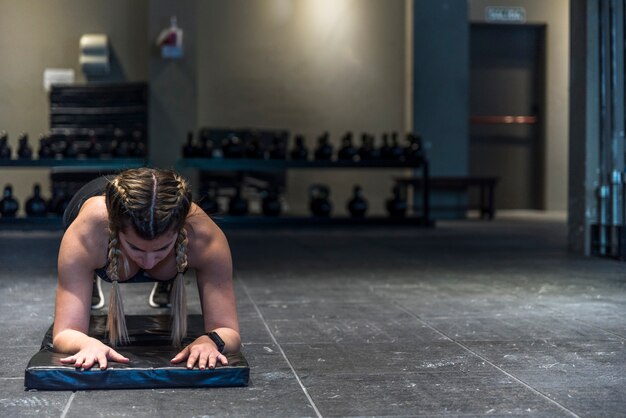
x,y
147,253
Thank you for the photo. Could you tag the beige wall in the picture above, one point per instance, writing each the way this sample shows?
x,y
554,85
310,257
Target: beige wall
x,y
554,13
35,35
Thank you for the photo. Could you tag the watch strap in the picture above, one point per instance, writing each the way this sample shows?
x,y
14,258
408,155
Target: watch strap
x,y
214,336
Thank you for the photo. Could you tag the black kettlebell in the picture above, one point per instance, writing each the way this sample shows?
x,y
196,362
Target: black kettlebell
x,y
138,149
368,151
71,149
237,205
45,150
121,148
233,147
397,205
415,150
190,150
299,151
396,152
205,147
24,151
278,149
36,205
357,206
324,150
58,144
270,203
254,150
320,204
8,204
385,149
5,149
347,152
94,149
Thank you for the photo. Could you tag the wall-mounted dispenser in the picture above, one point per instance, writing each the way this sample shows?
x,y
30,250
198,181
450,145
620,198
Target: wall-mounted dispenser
x,y
94,54
170,40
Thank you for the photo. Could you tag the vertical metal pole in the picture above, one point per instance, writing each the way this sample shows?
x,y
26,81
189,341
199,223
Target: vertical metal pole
x,y
426,191
617,128
605,123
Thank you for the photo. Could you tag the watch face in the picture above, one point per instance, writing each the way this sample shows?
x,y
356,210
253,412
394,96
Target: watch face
x,y
217,340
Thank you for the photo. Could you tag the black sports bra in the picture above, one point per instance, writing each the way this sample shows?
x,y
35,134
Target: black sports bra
x,y
140,277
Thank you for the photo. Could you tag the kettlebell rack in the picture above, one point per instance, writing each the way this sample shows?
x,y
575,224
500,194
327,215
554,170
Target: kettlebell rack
x,y
243,165
60,168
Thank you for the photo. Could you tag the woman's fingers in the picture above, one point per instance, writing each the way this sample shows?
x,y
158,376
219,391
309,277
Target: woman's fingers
x,y
202,361
86,359
115,356
70,359
89,362
222,358
205,359
181,356
213,359
102,361
193,357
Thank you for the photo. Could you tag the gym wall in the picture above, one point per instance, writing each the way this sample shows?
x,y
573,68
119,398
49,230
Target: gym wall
x,y
306,66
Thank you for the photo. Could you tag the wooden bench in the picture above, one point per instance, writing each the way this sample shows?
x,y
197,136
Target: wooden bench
x,y
485,185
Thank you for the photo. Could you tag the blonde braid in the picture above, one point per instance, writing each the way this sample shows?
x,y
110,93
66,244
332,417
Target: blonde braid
x,y
116,321
179,295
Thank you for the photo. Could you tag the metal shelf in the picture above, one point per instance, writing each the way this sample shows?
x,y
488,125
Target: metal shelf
x,y
91,163
239,164
28,224
227,221
243,164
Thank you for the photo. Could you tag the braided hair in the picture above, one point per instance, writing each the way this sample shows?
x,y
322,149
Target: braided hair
x,y
151,202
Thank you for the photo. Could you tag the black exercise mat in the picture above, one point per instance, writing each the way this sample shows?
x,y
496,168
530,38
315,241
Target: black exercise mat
x,y
149,352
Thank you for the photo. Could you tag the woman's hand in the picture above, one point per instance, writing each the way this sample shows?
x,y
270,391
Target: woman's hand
x,y
95,352
202,351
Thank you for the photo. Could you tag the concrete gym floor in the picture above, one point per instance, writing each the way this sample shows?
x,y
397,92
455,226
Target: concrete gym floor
x,y
467,319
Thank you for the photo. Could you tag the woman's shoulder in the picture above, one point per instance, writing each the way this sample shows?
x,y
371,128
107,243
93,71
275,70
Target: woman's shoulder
x,y
93,213
200,226
87,237
90,228
202,233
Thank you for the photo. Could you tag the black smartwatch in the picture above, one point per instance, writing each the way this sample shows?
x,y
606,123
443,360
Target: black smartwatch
x,y
217,340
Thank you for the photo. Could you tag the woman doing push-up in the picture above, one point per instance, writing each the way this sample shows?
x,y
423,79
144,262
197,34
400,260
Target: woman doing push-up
x,y
136,226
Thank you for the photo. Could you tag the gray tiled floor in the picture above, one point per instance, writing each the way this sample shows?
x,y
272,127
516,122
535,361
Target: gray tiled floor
x,y
466,319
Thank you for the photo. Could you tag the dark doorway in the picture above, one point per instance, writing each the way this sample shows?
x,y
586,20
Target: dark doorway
x,y
507,96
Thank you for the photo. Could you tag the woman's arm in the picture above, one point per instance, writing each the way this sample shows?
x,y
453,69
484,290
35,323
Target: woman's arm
x,y
76,264
209,254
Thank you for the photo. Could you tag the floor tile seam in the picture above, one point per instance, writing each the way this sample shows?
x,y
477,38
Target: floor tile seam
x,y
517,379
534,340
68,405
282,352
516,316
621,337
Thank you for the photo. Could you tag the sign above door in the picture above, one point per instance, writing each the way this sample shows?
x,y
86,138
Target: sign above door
x,y
497,14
